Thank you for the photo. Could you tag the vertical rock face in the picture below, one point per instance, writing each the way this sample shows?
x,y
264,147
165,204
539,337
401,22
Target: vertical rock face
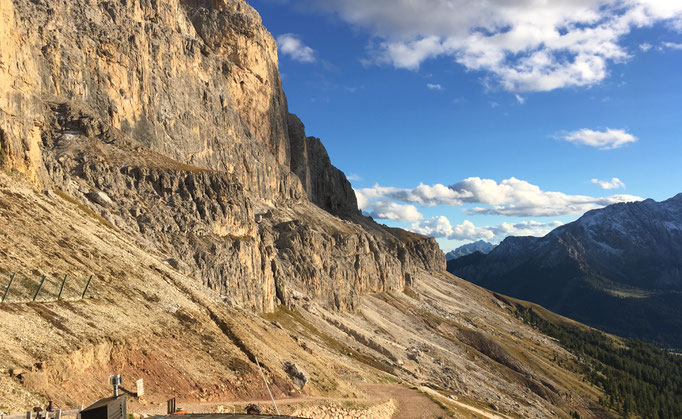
x,y
195,81
19,110
325,185
174,110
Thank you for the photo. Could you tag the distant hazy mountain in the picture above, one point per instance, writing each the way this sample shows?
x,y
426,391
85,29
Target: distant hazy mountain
x,y
479,246
618,268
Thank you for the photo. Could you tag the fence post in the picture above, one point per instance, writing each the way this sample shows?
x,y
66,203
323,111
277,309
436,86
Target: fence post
x,y
62,288
58,414
28,415
8,285
86,286
39,288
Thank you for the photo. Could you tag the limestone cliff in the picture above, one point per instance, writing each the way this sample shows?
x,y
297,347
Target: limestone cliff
x,y
169,120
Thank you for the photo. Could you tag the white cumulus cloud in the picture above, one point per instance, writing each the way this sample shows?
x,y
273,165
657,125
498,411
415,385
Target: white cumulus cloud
x,y
393,211
440,227
291,45
510,197
605,140
424,195
524,45
614,183
515,197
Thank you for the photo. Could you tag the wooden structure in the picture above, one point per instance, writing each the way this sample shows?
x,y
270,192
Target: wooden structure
x,y
109,408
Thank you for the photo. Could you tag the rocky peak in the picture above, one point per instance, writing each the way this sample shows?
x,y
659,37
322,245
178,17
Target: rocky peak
x,y
325,185
467,249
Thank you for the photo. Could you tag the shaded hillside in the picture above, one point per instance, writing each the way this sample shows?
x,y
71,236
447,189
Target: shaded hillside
x,y
637,378
617,268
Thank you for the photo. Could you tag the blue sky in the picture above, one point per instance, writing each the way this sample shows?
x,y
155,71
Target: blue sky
x,y
514,119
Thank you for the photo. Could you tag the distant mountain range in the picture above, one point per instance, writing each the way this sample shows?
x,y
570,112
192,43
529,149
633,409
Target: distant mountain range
x,y
618,268
479,246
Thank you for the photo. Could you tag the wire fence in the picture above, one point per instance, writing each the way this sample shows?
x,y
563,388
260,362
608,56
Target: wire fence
x,y
57,414
17,288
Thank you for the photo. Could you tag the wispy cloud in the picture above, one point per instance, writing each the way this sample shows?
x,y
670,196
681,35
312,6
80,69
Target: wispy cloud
x,y
292,46
520,99
672,45
354,177
432,86
522,46
605,140
614,183
645,46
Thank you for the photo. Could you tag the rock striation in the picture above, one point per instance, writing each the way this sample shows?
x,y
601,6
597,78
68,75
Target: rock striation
x,y
168,121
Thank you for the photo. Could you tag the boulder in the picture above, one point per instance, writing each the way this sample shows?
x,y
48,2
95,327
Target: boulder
x,y
298,375
100,198
253,409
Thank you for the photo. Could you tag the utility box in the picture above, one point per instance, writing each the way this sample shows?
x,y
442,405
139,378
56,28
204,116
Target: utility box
x,y
109,408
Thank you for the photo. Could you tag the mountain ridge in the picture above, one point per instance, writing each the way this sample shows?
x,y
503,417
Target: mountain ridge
x,y
625,253
467,249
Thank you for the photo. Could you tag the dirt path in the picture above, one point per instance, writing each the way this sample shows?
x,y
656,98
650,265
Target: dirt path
x,y
411,403
479,411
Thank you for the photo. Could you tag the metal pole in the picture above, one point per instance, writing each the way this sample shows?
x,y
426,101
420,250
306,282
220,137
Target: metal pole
x,y
266,385
39,288
8,285
86,286
62,288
